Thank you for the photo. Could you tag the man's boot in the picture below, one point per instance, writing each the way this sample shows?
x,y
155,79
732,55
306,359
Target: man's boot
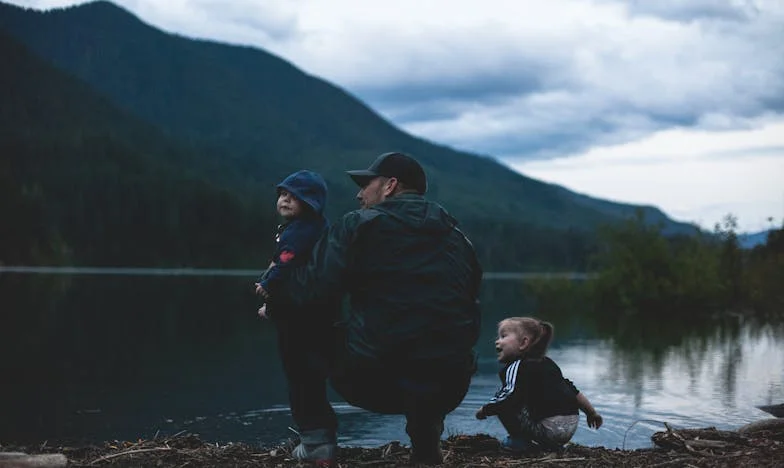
x,y
318,446
426,442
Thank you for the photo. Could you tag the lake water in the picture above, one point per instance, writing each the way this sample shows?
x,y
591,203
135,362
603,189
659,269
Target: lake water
x,y
92,358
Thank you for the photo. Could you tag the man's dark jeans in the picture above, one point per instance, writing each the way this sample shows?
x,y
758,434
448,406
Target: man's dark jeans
x,y
424,391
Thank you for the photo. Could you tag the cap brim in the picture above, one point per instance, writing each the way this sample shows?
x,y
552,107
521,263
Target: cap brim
x,y
362,177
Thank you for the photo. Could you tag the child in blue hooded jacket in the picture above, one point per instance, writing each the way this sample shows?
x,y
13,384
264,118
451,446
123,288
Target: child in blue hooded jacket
x,y
301,199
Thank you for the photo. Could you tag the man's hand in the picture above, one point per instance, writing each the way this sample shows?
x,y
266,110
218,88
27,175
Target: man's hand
x,y
594,420
481,414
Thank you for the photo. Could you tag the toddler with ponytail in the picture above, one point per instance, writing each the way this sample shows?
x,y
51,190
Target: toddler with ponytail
x,y
537,406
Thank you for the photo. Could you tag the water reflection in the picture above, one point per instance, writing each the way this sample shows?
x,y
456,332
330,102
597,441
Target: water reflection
x,y
94,358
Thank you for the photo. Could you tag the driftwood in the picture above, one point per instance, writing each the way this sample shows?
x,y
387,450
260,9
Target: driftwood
x,y
761,442
23,460
763,425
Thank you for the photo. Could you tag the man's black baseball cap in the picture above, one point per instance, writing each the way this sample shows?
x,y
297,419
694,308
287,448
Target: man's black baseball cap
x,y
398,165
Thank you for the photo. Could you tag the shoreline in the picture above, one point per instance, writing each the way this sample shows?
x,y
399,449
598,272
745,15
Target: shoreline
x,y
756,444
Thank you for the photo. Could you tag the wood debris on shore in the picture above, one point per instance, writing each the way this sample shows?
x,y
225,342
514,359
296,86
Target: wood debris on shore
x,y
761,445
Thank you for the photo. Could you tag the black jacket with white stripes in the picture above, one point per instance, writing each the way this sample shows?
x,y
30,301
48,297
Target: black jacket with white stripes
x,y
536,384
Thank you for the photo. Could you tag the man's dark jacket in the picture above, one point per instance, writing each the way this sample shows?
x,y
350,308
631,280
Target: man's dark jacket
x,y
412,277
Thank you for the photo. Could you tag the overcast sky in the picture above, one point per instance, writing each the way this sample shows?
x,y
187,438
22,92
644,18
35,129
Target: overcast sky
x,y
674,103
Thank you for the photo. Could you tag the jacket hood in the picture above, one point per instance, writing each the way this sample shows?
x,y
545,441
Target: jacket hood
x,y
309,187
416,212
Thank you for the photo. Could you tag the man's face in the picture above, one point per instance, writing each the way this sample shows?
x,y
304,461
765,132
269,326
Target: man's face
x,y
376,191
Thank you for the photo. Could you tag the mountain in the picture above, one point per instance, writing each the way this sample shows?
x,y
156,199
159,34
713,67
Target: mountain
x,y
84,181
238,119
752,239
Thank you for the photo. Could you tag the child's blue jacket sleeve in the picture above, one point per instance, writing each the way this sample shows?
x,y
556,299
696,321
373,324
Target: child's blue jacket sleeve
x,y
294,248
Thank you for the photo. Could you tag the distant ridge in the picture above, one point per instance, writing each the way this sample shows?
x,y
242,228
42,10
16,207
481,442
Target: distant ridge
x,y
753,239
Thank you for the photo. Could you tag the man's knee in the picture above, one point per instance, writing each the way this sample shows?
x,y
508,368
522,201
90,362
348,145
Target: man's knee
x,y
369,392
398,389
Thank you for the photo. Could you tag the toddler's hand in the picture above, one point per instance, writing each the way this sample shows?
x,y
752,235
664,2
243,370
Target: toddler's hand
x,y
263,312
594,420
481,413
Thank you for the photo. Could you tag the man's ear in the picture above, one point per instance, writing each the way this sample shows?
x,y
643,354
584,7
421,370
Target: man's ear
x,y
391,186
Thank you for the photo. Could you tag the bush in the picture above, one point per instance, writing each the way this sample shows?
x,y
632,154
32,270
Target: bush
x,y
640,272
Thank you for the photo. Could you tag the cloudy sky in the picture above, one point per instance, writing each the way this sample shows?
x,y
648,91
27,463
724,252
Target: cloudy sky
x,y
674,103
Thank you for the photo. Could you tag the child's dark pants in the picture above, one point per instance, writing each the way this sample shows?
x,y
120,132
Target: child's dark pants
x,y
299,344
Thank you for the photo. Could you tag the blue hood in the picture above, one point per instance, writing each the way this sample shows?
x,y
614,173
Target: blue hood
x,y
309,187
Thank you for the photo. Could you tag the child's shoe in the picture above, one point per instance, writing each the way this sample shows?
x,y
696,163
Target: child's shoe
x,y
318,446
515,445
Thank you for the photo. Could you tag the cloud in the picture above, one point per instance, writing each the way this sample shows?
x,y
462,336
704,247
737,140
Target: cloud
x,y
43,4
540,79
694,10
242,22
694,175
275,22
540,125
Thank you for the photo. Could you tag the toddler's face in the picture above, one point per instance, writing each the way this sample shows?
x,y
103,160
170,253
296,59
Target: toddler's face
x,y
289,206
510,344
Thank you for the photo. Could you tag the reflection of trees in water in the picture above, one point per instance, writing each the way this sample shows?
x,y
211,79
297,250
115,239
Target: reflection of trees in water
x,y
146,324
694,353
500,299
64,338
29,343
657,334
642,345
643,348
504,298
30,314
646,346
642,352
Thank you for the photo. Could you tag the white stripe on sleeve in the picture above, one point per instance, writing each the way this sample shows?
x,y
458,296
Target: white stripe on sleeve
x,y
509,385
